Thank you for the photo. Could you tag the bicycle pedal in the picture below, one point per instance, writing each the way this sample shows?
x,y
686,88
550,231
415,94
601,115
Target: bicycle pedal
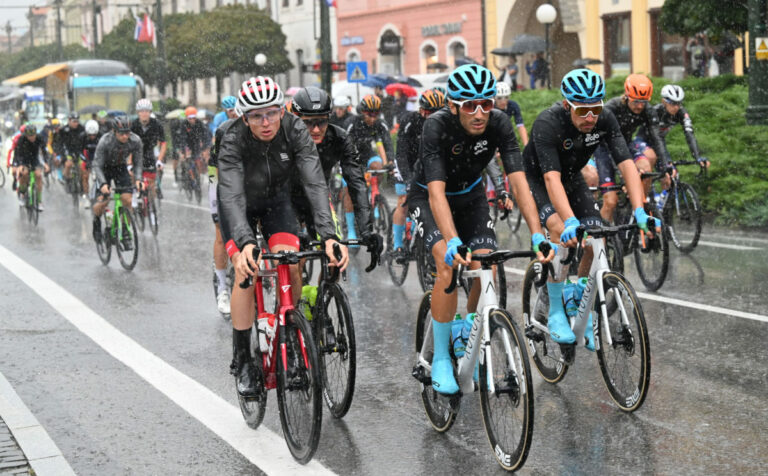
x,y
420,374
534,334
569,353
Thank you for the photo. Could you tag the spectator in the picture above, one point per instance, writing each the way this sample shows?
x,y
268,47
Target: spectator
x,y
509,74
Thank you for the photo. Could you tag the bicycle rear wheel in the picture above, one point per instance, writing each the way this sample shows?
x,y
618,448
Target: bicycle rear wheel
x,y
2,177
127,243
152,215
104,246
396,265
337,355
626,362
615,254
508,407
197,188
141,214
682,218
253,408
546,353
441,410
381,223
299,388
652,262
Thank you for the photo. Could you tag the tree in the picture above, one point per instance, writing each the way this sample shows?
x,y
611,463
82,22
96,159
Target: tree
x,y
141,57
688,17
31,58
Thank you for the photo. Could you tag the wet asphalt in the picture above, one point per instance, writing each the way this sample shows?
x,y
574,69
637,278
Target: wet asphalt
x,y
706,409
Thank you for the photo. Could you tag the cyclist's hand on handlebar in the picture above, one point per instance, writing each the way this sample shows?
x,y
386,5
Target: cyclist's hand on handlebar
x,y
703,162
104,189
647,223
542,246
505,201
452,257
344,261
375,244
244,262
568,238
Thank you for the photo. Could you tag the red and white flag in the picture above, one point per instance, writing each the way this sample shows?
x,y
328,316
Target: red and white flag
x,y
86,42
146,33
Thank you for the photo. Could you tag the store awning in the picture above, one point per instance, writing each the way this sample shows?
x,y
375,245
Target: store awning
x,y
36,74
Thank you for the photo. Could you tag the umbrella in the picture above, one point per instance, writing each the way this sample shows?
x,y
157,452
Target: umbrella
x,y
529,44
379,80
92,109
465,60
175,114
503,51
442,79
581,62
115,112
409,81
440,66
402,88
292,91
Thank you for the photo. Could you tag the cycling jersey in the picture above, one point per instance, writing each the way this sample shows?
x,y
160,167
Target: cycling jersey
x,y
408,143
29,153
668,121
54,144
365,138
71,141
252,172
514,112
14,142
151,135
111,160
89,146
629,122
344,121
193,137
219,119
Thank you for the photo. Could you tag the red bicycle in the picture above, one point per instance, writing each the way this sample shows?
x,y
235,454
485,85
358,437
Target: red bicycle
x,y
146,210
513,217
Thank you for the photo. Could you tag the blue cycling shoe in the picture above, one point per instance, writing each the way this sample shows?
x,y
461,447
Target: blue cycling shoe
x,y
443,380
590,335
557,323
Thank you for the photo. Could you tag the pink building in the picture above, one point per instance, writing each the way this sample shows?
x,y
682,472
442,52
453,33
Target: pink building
x,y
405,36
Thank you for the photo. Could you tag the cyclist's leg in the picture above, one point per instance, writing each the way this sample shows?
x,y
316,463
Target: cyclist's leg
x,y
606,171
642,155
85,170
475,228
39,183
398,216
589,172
68,164
281,229
23,172
149,178
349,211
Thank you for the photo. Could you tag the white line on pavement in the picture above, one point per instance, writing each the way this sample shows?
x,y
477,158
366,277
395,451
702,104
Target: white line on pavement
x,y
262,447
680,302
187,205
725,245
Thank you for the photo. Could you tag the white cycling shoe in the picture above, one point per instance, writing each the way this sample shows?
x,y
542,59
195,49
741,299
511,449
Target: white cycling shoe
x,y
222,302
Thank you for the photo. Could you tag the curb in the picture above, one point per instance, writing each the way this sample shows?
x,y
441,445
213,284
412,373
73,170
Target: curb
x,y
42,453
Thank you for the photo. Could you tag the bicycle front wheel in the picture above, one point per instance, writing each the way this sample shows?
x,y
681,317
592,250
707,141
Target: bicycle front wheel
x,y
104,246
254,408
682,217
127,244
506,392
625,361
397,264
381,214
152,215
336,346
652,261
298,388
33,213
141,214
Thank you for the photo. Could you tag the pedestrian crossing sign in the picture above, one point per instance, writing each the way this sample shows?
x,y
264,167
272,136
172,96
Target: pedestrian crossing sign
x,y
761,48
357,71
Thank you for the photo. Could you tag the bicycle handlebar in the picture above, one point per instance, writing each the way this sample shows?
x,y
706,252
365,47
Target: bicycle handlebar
x,y
372,248
457,271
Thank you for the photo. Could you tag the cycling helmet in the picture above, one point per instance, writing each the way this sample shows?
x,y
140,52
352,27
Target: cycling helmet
x,y
190,112
341,101
583,85
638,86
503,90
471,81
259,92
74,115
441,89
55,122
29,129
143,104
121,123
673,92
431,100
370,103
101,114
311,101
91,127
229,102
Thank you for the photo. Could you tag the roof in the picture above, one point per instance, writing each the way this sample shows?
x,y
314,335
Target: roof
x,y
36,74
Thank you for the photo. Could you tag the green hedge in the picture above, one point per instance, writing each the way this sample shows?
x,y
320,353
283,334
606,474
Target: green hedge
x,y
736,190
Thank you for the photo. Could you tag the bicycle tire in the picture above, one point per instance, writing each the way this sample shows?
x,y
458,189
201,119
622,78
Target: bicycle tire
x,y
33,211
615,254
104,246
381,225
152,215
682,216
299,381
441,410
513,390
397,271
630,339
128,258
254,408
140,214
425,267
338,363
546,354
2,178
652,262
306,271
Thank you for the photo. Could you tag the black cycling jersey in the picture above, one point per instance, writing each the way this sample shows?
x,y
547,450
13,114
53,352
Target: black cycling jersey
x,y
193,137
449,154
668,121
112,157
72,141
629,122
151,135
365,137
344,121
556,144
29,153
408,144
514,112
213,160
89,146
252,171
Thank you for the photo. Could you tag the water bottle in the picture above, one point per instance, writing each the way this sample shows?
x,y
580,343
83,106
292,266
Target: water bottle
x,y
109,217
266,326
457,327
467,329
663,198
570,302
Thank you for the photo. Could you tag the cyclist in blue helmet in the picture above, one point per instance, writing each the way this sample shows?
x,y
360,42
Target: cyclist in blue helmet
x,y
447,199
228,104
563,138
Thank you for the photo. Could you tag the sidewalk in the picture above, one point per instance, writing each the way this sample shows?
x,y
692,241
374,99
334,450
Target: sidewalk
x,y
12,459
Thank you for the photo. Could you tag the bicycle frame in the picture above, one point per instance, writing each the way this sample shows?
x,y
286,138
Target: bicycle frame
x,y
286,304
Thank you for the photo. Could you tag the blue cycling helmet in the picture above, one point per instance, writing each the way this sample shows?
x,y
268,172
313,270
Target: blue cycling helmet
x,y
229,102
583,85
471,81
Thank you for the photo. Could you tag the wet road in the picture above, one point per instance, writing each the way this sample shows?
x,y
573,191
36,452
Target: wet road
x,y
168,405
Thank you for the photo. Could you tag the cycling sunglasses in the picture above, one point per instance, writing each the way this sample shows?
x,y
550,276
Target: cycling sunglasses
x,y
585,110
371,114
319,123
471,106
672,103
638,101
271,116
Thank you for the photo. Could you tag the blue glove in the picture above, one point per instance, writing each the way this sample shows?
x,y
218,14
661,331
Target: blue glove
x,y
453,248
644,221
400,189
570,229
537,239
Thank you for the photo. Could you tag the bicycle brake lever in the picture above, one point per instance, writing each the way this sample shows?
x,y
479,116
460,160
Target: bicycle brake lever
x,y
248,282
457,271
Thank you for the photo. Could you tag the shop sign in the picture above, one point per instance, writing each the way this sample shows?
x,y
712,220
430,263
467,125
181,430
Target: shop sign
x,y
352,40
441,29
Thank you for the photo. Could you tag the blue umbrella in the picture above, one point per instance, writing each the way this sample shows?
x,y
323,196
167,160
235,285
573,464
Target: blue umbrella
x,y
379,80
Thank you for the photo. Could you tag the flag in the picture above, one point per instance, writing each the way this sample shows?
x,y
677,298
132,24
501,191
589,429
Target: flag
x,y
331,3
146,30
137,30
86,43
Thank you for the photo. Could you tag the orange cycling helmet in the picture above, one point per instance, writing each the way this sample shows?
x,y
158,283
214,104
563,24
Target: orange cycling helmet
x,y
431,100
190,111
370,103
638,86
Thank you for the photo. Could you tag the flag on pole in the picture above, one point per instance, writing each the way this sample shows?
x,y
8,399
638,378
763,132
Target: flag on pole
x,y
137,30
86,42
147,30
331,3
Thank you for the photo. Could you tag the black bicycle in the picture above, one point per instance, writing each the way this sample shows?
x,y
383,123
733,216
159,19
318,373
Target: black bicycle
x,y
681,210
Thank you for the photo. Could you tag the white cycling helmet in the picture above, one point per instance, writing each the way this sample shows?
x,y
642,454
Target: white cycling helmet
x,y
503,90
341,101
91,127
673,92
257,93
143,104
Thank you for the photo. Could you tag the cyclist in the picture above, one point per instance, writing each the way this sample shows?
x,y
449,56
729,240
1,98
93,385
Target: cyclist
x,y
11,162
257,157
374,144
72,142
90,140
564,137
670,113
193,139
177,148
54,147
103,118
448,200
341,116
632,111
228,103
151,134
28,156
511,109
118,157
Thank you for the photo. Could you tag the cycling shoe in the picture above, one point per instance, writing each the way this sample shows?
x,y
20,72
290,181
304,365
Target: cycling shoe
x,y
443,380
557,323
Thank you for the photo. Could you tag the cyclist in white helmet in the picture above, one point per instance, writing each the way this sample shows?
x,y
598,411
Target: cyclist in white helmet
x,y
152,135
341,116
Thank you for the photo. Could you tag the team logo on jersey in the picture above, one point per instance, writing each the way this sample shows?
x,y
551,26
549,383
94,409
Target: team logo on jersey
x,y
567,144
591,139
480,147
283,156
457,149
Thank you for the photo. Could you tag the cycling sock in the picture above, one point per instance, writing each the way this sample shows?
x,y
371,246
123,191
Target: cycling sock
x,y
399,231
221,275
441,332
351,233
558,325
443,379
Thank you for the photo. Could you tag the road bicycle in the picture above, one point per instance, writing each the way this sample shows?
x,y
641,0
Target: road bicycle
x,y
117,229
681,210
620,334
288,361
380,212
506,389
74,183
32,199
334,331
190,178
269,281
398,262
2,177
513,218
146,210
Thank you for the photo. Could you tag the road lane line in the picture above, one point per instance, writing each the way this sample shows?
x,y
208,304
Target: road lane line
x,y
680,302
187,205
728,246
262,447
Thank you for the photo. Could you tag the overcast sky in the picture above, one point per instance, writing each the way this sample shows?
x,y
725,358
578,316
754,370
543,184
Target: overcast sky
x,y
17,16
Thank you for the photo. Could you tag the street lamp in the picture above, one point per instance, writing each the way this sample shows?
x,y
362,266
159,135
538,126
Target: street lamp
x,y
260,59
546,15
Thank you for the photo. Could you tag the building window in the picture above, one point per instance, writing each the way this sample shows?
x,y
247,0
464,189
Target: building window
x,y
299,2
428,57
174,6
457,50
207,86
667,52
390,49
617,35
353,56
202,5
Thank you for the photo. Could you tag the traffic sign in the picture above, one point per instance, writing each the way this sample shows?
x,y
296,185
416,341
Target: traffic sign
x,y
761,48
357,71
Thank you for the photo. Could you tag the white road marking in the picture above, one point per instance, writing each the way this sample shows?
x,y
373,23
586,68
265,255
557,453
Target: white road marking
x,y
680,302
186,205
262,447
725,245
